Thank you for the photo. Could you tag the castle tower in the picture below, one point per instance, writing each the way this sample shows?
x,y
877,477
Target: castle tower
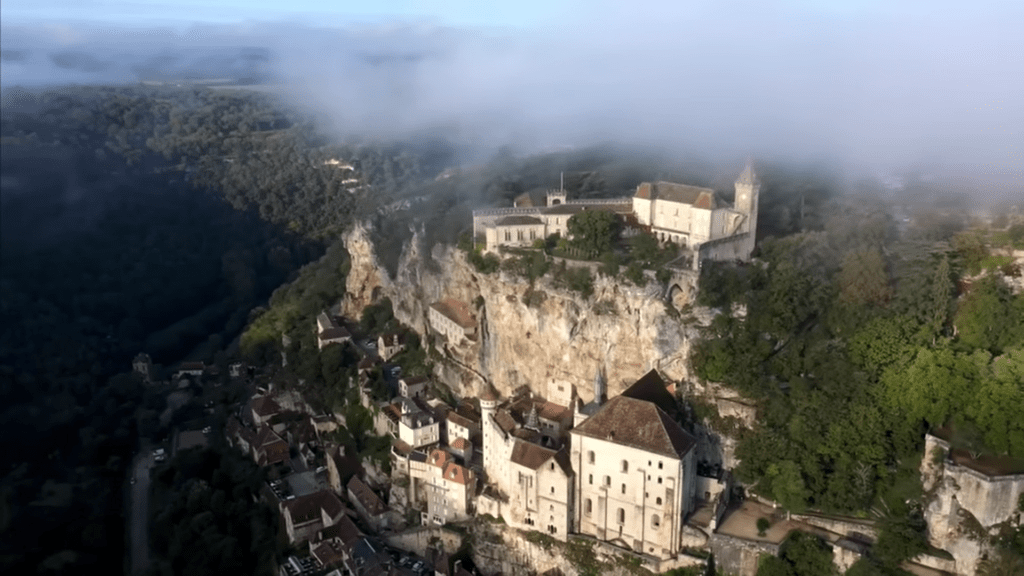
x,y
488,403
747,189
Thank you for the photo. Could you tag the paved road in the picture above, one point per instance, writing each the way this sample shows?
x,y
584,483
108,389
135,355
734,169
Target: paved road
x,y
140,513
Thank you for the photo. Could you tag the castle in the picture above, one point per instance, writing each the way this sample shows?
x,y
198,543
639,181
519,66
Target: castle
x,y
695,218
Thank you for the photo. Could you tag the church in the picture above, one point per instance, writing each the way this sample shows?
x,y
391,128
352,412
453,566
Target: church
x,y
695,218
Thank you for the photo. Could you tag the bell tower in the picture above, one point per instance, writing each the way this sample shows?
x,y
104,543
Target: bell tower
x,y
748,187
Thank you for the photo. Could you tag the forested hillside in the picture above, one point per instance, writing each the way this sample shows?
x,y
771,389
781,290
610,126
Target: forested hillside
x,y
856,341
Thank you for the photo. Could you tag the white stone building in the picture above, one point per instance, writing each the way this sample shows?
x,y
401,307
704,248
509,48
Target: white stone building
x,y
440,486
541,495
634,471
452,319
696,218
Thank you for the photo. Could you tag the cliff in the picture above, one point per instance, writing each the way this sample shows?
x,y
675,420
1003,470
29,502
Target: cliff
x,y
565,339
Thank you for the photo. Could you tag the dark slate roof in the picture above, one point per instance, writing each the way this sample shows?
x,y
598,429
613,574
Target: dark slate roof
x,y
372,503
696,196
638,424
265,406
519,221
307,508
651,388
529,455
335,334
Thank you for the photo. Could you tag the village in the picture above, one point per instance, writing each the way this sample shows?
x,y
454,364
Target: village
x,y
626,474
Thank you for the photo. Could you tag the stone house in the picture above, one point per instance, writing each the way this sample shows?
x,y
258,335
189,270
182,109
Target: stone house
x,y
541,492
445,487
263,409
329,331
369,506
306,515
413,386
269,448
635,471
417,427
452,319
389,344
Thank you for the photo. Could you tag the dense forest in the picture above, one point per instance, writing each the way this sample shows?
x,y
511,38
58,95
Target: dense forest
x,y
856,340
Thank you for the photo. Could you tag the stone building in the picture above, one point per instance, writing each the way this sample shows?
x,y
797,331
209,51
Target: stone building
x,y
452,319
635,471
541,495
440,486
696,218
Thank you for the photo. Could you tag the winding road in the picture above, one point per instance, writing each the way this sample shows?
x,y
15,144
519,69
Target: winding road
x,y
139,513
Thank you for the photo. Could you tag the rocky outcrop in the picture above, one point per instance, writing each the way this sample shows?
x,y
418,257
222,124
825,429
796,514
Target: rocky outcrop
x,y
559,339
966,506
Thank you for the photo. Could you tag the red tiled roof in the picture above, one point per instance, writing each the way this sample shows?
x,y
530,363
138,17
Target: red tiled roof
x,y
552,411
455,418
461,444
455,473
455,310
439,458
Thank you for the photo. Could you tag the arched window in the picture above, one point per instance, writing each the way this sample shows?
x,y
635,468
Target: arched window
x,y
621,516
623,488
552,489
590,456
588,506
625,466
655,521
658,501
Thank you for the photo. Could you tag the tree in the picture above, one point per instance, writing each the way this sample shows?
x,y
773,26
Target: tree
x,y
863,278
787,485
594,231
801,554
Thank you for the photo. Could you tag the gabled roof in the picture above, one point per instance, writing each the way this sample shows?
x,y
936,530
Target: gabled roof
x,y
369,500
335,334
309,507
638,423
460,420
344,529
461,444
696,196
652,388
265,406
458,474
438,457
455,310
529,455
552,411
392,339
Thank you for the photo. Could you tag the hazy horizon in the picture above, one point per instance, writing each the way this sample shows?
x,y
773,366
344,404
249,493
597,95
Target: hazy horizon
x,y
921,85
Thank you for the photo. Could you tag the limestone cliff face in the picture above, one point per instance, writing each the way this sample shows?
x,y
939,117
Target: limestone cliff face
x,y
621,330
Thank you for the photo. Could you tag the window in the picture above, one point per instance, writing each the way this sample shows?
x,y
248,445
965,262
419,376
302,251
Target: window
x,y
659,479
588,506
625,466
607,480
658,501
655,522
552,466
623,488
621,516
590,456
659,465
552,489
591,479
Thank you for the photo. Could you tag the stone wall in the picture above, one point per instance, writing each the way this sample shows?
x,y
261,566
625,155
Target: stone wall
x,y
738,556
418,540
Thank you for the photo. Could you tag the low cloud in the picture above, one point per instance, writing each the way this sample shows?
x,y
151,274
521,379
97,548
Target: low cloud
x,y
925,84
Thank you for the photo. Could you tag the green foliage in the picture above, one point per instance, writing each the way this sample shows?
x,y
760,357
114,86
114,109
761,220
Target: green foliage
x,y
991,317
971,249
863,278
208,523
800,555
903,535
543,540
529,265
635,274
594,231
484,264
580,553
763,524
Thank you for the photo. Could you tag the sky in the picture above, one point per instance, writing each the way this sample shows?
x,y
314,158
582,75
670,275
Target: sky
x,y
882,83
